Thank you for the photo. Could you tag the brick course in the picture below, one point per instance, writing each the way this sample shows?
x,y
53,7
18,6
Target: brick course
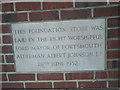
x,y
57,5
51,76
96,84
7,7
21,77
108,11
77,76
49,15
26,6
39,85
12,85
76,14
65,85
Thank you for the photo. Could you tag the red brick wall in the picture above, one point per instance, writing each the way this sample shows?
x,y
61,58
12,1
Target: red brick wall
x,y
14,12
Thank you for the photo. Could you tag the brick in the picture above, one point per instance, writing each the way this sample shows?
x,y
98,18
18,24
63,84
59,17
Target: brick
x,y
113,2
50,76
8,68
76,14
6,29
113,22
88,4
65,85
1,59
113,64
7,39
22,17
101,75
10,59
7,49
26,6
4,78
113,84
39,85
48,15
76,76
21,77
12,85
57,5
113,54
7,7
7,18
108,11
96,84
113,44
114,74
113,33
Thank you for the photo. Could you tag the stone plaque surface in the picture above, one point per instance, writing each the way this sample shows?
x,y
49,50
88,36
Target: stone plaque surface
x,y
70,45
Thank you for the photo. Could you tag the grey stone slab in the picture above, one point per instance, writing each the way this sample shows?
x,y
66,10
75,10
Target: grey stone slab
x,y
70,45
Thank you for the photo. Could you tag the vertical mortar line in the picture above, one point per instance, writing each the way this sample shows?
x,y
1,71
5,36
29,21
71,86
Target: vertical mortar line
x,y
5,59
36,77
108,2
92,12
64,76
41,4
28,16
7,77
24,86
77,84
14,6
107,84
59,14
1,37
52,84
73,3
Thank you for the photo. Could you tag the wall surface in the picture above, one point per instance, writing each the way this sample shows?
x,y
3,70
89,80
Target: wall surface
x,y
18,12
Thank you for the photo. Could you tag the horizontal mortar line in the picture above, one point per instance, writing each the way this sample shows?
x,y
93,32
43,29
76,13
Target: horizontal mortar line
x,y
59,9
61,81
6,63
9,23
9,1
113,28
43,1
6,54
50,72
113,59
4,23
2,34
56,72
40,1
47,72
117,49
114,69
6,44
104,17
113,38
113,17
108,39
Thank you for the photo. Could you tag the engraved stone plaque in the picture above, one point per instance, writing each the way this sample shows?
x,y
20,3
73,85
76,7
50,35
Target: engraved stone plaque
x,y
70,45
